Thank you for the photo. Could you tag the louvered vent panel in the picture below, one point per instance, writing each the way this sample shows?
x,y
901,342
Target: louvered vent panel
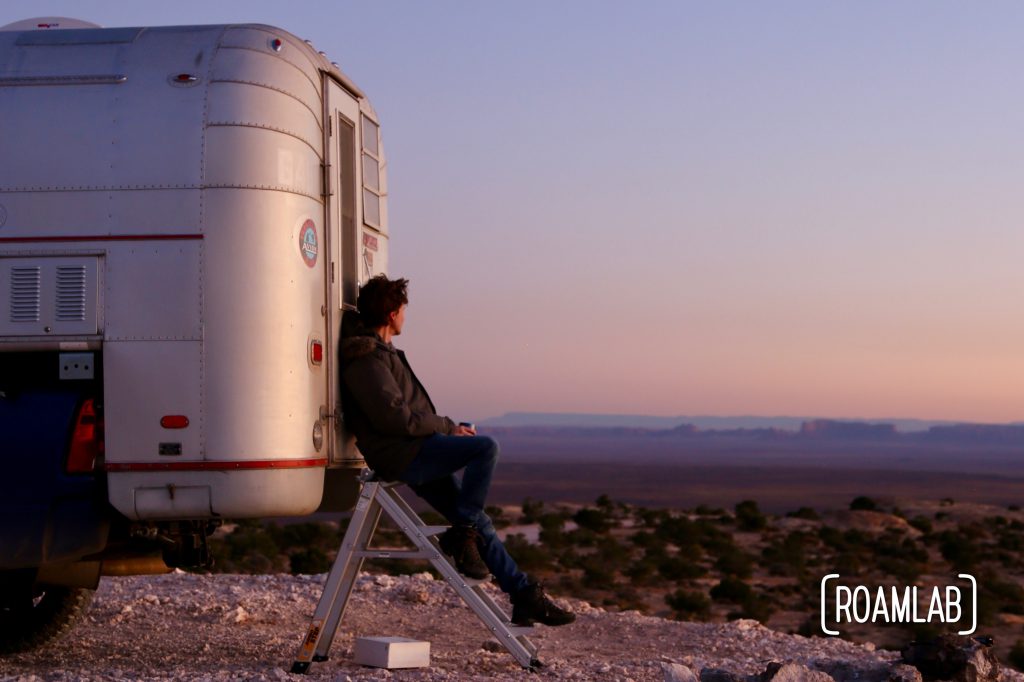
x,y
70,293
25,282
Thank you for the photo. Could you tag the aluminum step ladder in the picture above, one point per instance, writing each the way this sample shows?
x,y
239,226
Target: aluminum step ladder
x,y
377,498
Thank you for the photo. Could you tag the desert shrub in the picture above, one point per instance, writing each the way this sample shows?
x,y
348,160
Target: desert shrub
x,y
856,538
529,556
730,589
309,561
678,568
689,605
749,517
906,571
595,520
1008,595
597,574
644,539
628,598
804,513
735,562
643,572
755,607
922,523
705,510
1016,656
1008,560
787,557
498,518
863,503
302,535
532,509
847,564
551,534
249,548
612,552
712,538
678,530
832,537
1010,540
652,518
568,556
581,537
957,549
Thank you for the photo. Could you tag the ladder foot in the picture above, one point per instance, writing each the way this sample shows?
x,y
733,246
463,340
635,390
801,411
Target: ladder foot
x,y
300,667
535,665
320,659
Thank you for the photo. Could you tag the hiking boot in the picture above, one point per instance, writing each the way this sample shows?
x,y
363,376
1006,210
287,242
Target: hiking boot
x,y
460,543
531,605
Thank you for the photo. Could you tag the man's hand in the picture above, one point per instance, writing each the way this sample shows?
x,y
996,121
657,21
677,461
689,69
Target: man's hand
x,y
461,430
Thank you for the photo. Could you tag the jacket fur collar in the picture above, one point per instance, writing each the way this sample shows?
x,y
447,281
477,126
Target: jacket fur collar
x,y
357,346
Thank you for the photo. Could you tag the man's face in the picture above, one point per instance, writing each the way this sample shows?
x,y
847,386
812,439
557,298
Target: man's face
x,y
397,320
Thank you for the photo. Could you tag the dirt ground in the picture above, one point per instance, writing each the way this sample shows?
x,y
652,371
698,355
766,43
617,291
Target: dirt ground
x,y
237,627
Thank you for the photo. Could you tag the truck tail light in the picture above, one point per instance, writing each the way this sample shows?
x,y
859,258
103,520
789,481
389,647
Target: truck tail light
x,y
317,351
86,440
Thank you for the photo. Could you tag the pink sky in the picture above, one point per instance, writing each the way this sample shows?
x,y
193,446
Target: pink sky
x,y
691,208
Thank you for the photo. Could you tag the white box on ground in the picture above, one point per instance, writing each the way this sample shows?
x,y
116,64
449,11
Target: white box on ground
x,y
392,652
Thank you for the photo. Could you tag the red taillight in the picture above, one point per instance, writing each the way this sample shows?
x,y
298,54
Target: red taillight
x,y
318,352
86,440
174,421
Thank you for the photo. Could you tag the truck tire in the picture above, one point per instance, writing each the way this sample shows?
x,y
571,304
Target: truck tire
x,y
40,617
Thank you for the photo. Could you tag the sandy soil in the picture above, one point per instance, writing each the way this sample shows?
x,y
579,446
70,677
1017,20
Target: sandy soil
x,y
234,627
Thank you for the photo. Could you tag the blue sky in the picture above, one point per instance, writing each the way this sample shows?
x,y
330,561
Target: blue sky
x,y
690,208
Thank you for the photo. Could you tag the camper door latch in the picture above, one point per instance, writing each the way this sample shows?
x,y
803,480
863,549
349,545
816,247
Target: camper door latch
x,y
325,170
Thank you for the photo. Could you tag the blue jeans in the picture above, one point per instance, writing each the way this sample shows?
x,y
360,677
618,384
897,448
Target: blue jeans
x,y
431,475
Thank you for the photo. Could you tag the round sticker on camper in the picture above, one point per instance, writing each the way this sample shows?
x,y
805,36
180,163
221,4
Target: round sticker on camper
x,y
307,242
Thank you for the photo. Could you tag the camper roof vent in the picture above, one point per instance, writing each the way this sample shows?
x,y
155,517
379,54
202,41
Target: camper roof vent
x,y
48,23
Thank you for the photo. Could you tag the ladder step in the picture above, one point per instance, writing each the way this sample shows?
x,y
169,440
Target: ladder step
x,y
393,554
471,582
521,630
433,530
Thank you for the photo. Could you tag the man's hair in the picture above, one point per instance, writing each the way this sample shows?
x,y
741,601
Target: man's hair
x,y
380,297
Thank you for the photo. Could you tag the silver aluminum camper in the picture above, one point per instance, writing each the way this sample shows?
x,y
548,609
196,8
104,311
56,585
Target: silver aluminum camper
x,y
188,211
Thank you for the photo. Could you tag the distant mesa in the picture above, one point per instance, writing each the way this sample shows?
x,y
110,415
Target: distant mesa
x,y
992,434
701,422
734,431
828,428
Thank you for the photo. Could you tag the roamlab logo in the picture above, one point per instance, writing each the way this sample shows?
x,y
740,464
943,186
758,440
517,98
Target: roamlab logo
x,y
898,604
307,243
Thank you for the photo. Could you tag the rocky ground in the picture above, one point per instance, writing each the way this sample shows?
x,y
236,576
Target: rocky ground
x,y
239,627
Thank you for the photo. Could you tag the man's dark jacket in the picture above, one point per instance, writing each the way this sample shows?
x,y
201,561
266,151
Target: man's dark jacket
x,y
385,405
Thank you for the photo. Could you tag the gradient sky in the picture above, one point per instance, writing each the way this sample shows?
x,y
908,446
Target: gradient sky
x,y
690,208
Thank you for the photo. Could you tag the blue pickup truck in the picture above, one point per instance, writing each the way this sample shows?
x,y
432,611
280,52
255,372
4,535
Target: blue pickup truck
x,y
53,507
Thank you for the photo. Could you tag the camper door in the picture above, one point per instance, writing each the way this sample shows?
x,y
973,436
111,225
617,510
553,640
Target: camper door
x,y
343,234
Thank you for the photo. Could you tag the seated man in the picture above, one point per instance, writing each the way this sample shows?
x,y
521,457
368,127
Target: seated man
x,y
402,438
